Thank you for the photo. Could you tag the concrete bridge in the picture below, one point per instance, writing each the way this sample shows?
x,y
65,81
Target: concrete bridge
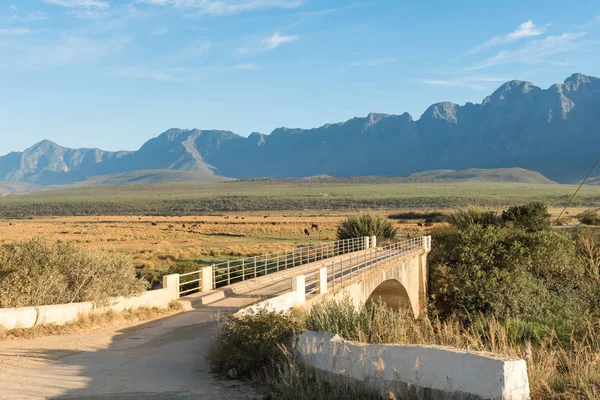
x,y
358,268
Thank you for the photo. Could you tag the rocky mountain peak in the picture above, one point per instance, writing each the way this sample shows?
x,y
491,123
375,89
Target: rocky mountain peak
x,y
446,111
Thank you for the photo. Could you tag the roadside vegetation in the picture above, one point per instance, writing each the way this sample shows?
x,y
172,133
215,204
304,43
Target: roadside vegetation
x,y
35,273
499,282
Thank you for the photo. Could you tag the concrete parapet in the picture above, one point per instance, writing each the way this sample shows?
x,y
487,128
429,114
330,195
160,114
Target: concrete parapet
x,y
425,372
373,241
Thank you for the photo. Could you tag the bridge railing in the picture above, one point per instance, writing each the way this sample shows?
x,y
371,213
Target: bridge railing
x,y
229,272
341,272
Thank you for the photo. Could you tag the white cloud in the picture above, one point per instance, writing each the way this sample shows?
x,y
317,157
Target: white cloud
x,y
246,66
193,50
159,74
15,31
270,43
526,29
451,83
159,31
67,50
224,7
373,62
534,52
30,16
277,40
79,3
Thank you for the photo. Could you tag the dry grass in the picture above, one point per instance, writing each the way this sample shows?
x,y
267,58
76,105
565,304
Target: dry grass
x,y
557,371
91,322
161,242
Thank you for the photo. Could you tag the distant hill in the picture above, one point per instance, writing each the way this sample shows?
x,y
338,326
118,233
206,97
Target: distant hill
x,y
151,177
519,175
554,131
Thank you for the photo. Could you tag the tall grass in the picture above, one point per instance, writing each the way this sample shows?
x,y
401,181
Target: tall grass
x,y
557,370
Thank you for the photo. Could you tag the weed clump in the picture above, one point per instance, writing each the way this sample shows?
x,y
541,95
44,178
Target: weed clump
x,y
363,225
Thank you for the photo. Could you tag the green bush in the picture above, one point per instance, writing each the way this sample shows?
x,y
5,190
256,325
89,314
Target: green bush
x,y
589,217
472,215
366,225
495,270
531,216
34,273
249,344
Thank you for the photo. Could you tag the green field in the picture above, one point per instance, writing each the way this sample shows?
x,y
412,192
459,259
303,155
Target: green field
x,y
185,199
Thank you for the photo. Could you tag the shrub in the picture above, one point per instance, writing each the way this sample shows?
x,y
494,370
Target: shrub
x,y
492,270
472,215
249,344
531,216
34,273
589,217
366,225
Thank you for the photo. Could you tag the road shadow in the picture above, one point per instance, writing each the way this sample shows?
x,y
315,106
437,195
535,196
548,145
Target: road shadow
x,y
159,359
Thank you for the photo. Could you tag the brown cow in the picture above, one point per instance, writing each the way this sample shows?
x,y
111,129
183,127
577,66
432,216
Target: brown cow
x,y
314,226
306,232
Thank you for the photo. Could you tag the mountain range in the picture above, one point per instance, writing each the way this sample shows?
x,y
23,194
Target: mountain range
x,y
554,131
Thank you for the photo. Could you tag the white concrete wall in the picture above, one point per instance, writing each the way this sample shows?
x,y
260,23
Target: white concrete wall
x,y
434,372
60,314
284,303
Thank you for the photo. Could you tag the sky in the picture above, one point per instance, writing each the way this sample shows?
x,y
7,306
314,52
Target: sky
x,y
112,74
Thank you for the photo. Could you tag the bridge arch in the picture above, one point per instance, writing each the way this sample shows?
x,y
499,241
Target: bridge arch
x,y
393,293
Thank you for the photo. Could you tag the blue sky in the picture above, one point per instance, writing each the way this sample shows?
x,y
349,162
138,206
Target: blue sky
x,y
114,73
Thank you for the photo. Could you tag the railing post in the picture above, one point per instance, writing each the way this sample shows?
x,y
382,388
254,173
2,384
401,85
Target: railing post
x,y
171,282
322,281
228,273
254,267
206,279
373,241
266,262
366,242
299,287
277,261
243,269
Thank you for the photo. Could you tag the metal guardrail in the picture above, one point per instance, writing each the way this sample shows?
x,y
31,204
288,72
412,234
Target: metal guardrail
x,y
343,271
229,272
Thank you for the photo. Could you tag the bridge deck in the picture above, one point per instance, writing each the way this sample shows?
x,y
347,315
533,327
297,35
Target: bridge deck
x,y
246,293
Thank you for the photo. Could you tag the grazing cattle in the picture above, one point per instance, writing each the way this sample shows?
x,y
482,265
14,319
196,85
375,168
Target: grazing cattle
x,y
306,232
420,224
170,226
314,226
154,224
236,217
428,224
266,216
183,226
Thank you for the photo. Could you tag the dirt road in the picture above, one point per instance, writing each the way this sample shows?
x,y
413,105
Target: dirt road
x,y
161,359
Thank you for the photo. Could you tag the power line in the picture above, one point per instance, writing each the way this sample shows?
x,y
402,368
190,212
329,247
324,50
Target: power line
x,y
577,191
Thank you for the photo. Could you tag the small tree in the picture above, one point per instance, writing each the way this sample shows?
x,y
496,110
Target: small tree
x,y
532,217
366,225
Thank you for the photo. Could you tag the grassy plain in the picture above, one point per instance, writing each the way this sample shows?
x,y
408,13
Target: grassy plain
x,y
184,199
159,226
